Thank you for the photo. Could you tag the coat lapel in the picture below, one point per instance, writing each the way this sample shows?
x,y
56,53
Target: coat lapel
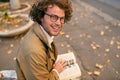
x,y
52,52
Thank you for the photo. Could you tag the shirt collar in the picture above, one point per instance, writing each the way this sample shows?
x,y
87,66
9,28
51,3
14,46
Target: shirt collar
x,y
50,38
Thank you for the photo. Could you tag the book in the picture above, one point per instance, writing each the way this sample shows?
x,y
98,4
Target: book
x,y
73,70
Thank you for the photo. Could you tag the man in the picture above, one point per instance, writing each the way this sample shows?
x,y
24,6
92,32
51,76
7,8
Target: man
x,y
37,53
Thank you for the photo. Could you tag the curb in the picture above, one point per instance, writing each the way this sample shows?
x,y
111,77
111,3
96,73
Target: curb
x,y
105,16
8,75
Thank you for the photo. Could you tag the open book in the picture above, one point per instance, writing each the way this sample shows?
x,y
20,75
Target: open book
x,y
72,71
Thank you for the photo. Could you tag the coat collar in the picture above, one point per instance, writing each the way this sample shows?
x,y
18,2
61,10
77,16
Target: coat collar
x,y
49,38
39,32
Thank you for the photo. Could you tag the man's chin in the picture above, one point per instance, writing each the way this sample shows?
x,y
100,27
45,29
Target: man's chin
x,y
55,34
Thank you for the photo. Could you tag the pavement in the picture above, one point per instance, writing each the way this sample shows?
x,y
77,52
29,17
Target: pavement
x,y
92,35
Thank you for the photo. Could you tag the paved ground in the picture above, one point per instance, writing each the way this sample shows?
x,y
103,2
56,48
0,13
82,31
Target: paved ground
x,y
108,6
95,42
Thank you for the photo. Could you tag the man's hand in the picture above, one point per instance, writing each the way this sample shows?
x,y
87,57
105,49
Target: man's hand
x,y
60,65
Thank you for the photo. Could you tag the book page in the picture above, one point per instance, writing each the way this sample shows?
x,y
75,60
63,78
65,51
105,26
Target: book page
x,y
72,71
69,57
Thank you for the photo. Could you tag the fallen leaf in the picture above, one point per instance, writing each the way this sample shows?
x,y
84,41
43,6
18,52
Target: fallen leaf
x,y
14,58
99,66
11,45
107,50
9,51
16,26
106,27
116,72
67,36
95,46
117,56
91,21
108,61
98,46
89,36
76,19
119,24
111,42
81,35
110,30
118,42
118,46
90,73
97,73
62,45
102,33
62,33
68,45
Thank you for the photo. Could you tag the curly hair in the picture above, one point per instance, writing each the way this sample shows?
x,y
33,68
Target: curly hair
x,y
40,7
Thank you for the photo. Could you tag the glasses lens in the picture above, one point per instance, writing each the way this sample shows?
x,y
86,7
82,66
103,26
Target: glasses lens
x,y
54,18
62,20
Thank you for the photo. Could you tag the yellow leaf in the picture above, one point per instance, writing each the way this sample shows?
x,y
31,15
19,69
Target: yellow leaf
x,y
11,45
97,73
9,52
118,46
67,36
107,50
16,25
90,73
117,56
99,66
118,43
68,45
62,33
14,58
62,45
119,24
89,36
111,42
106,27
108,61
102,33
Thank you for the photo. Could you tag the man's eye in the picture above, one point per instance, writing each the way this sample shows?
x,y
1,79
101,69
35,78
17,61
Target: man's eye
x,y
54,16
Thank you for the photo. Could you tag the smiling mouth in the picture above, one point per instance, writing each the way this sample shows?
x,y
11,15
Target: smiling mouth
x,y
56,28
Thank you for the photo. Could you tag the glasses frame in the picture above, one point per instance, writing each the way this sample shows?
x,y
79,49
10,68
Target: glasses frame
x,y
54,18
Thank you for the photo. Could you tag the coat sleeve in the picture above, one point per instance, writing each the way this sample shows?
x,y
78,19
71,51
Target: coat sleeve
x,y
35,67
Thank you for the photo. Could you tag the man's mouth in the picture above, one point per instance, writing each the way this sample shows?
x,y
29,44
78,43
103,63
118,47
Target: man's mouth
x,y
56,28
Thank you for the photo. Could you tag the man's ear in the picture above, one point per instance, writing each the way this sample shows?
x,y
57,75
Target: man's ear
x,y
41,19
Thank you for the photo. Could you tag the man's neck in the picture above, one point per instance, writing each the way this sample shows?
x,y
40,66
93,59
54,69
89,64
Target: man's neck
x,y
50,38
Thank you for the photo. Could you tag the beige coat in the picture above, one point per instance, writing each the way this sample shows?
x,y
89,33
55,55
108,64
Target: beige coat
x,y
35,58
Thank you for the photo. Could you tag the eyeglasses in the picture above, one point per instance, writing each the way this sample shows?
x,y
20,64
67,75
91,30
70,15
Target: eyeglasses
x,y
54,18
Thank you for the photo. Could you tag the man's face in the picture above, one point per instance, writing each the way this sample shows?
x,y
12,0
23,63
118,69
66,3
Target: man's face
x,y
53,27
